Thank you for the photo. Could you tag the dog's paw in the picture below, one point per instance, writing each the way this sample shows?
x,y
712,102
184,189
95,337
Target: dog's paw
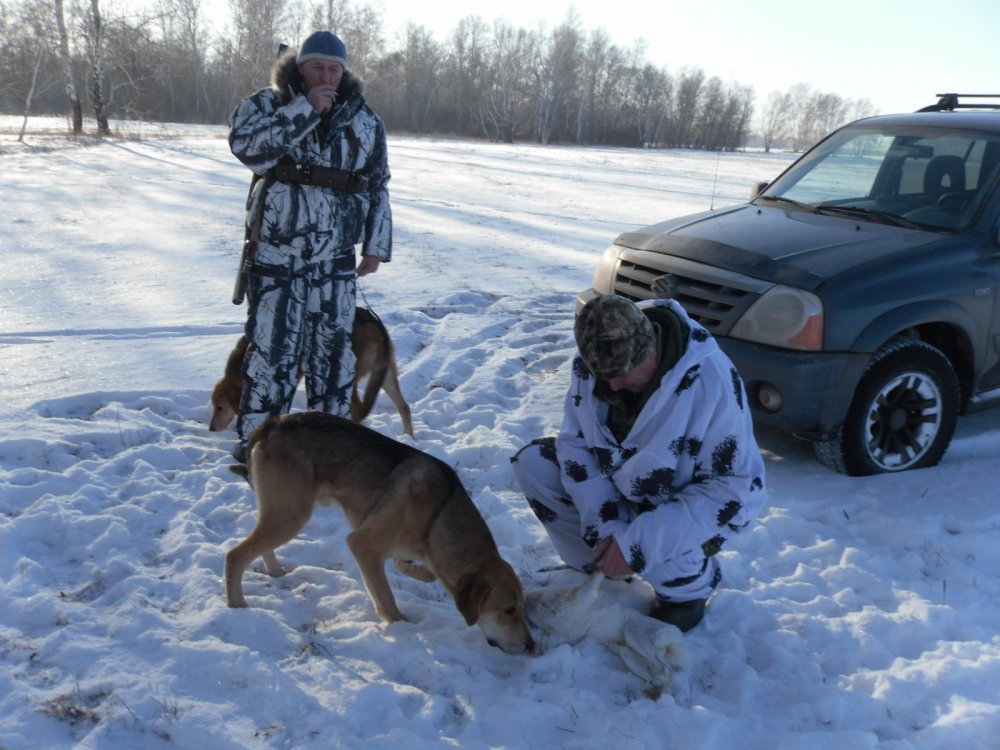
x,y
668,644
649,650
274,568
390,616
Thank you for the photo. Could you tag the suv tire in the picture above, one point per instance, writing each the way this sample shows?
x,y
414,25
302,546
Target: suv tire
x,y
903,413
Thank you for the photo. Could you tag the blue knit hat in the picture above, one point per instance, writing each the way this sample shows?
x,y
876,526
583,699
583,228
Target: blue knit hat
x,y
324,45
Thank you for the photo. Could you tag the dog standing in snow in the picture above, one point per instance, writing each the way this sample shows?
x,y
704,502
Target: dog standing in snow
x,y
401,504
376,358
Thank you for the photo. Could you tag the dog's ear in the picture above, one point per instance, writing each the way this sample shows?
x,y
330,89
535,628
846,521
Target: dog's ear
x,y
240,469
470,597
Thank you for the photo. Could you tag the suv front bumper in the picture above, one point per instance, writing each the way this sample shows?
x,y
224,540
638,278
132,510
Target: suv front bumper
x,y
815,388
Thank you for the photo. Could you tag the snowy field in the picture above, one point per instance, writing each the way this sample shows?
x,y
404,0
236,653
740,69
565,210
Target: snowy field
x,y
858,614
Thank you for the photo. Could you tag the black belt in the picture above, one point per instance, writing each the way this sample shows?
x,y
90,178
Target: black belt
x,y
325,177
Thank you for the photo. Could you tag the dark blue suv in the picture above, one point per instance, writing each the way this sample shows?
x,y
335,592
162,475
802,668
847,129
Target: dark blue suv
x,y
857,293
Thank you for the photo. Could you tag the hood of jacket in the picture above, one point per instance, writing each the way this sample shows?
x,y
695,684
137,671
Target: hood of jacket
x,y
287,83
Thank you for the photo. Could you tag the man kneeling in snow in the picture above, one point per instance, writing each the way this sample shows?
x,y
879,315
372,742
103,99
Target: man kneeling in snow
x,y
656,464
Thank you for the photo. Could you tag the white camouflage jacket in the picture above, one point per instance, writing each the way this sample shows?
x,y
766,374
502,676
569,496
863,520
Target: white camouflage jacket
x,y
278,123
689,474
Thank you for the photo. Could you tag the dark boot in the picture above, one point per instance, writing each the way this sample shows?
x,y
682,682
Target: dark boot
x,y
685,615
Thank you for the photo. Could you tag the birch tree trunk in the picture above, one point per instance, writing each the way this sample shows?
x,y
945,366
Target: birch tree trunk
x,y
31,92
97,68
76,110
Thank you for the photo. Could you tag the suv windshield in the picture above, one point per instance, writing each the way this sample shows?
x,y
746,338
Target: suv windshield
x,y
934,178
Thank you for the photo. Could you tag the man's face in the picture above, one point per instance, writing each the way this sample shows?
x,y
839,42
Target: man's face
x,y
319,72
636,379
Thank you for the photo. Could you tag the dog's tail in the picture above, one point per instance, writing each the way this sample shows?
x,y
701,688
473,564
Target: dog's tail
x,y
259,434
382,362
234,362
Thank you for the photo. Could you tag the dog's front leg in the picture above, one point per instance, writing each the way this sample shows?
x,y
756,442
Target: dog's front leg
x,y
236,563
372,566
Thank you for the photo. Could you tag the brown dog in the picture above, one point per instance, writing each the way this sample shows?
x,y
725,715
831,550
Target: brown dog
x,y
400,503
375,355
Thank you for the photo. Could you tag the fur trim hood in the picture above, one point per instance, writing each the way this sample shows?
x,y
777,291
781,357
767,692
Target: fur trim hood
x,y
286,80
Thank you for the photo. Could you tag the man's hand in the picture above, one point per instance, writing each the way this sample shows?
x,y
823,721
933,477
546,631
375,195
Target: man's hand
x,y
608,559
322,98
369,264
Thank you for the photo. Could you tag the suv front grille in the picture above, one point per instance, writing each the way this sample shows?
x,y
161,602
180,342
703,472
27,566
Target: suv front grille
x,y
712,296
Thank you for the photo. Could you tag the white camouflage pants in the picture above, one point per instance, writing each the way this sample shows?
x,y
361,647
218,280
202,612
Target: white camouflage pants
x,y
537,470
300,313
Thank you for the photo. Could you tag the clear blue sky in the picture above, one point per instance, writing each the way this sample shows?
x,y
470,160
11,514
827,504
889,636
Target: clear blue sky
x,y
896,53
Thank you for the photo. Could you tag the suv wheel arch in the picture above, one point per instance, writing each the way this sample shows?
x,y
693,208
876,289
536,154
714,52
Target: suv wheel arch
x,y
902,415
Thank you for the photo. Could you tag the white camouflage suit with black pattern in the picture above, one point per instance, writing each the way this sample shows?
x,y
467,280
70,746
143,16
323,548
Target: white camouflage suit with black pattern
x,y
687,477
301,291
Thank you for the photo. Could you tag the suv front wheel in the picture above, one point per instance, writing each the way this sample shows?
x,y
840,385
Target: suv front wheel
x,y
903,413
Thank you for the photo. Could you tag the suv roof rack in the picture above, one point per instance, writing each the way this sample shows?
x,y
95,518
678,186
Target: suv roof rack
x,y
949,102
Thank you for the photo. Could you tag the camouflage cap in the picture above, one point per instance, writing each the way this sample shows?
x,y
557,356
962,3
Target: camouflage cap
x,y
613,336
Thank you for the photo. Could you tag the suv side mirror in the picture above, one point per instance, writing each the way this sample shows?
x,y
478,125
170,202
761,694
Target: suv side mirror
x,y
757,189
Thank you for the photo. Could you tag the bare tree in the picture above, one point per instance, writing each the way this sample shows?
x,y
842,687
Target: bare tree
x,y
831,112
802,116
567,84
184,40
95,49
258,29
359,27
69,77
421,77
503,111
385,91
143,68
31,92
557,82
858,108
685,107
594,63
736,117
816,114
26,35
775,119
649,104
708,111
464,71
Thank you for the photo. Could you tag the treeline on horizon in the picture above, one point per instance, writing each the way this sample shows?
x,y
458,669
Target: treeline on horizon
x,y
487,79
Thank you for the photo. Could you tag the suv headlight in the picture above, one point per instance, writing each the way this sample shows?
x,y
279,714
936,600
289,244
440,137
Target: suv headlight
x,y
604,275
785,317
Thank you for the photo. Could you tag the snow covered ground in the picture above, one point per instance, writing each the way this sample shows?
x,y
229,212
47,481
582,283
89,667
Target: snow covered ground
x,y
860,613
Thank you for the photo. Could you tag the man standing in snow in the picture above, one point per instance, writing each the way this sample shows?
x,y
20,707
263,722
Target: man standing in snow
x,y
656,464
320,152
